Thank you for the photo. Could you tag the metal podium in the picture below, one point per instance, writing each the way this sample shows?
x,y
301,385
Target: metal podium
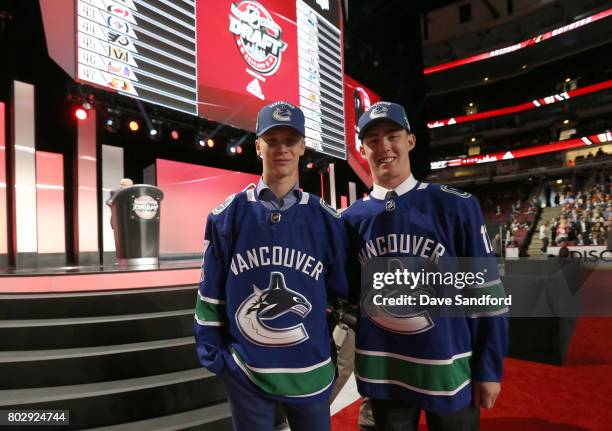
x,y
135,217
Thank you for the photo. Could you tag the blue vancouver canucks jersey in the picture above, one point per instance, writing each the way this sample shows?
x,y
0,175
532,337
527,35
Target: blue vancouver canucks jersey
x,y
428,361
261,306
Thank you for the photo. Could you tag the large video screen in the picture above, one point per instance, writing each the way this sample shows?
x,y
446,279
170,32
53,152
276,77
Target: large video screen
x,y
220,59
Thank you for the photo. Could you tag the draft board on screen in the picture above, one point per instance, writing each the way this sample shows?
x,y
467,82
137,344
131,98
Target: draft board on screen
x,y
219,59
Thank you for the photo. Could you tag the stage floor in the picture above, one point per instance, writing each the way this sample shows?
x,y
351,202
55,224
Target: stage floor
x,y
100,277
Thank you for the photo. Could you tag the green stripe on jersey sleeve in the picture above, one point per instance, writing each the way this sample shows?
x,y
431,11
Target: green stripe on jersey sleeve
x,y
210,311
486,308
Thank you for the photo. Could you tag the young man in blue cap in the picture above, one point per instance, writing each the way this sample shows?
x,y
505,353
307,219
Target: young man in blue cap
x,y
271,255
407,362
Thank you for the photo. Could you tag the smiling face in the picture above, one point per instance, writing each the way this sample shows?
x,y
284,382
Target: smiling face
x,y
386,147
280,149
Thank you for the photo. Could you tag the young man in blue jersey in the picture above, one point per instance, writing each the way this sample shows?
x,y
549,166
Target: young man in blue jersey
x,y
271,256
448,367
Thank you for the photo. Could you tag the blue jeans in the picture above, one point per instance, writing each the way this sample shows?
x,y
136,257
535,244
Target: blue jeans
x,y
253,411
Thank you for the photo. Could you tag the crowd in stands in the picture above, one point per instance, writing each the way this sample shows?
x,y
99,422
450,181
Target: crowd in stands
x,y
586,218
522,219
598,154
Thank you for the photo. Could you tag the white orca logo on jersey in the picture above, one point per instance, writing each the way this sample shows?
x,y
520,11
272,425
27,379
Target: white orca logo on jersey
x,y
379,110
399,319
266,305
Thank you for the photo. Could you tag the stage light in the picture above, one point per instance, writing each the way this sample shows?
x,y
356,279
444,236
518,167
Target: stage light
x,y
559,181
234,147
473,139
310,165
210,142
568,79
112,124
471,104
566,121
486,78
174,134
81,114
524,66
134,125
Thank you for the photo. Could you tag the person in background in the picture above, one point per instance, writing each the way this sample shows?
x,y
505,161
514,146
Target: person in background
x,y
123,183
544,235
497,245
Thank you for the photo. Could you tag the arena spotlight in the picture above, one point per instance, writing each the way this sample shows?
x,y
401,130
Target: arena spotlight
x,y
80,113
566,121
111,121
134,125
231,149
203,140
310,165
155,130
234,147
486,78
568,79
174,134
81,109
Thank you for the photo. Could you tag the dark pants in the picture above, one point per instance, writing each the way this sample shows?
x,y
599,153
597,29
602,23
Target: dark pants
x,y
544,244
251,411
395,415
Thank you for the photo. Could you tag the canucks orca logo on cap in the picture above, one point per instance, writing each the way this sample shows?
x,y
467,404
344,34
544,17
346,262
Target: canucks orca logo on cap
x,y
383,111
282,113
379,110
268,305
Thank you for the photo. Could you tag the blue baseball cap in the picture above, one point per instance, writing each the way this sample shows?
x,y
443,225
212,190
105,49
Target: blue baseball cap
x,y
383,111
280,114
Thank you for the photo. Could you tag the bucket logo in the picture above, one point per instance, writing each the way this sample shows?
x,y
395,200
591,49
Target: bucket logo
x,y
145,207
258,37
268,305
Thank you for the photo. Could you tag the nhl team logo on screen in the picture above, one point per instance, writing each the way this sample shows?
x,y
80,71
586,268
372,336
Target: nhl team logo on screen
x,y
145,207
259,315
258,37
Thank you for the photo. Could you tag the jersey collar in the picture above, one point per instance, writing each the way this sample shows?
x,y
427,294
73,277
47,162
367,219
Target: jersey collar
x,y
379,192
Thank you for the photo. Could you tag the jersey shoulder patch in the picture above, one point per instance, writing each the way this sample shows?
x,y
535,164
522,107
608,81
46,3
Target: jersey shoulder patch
x,y
328,208
226,203
456,192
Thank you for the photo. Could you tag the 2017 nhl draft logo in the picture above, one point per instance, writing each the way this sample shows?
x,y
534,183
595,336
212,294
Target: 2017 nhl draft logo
x,y
258,37
268,305
145,207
